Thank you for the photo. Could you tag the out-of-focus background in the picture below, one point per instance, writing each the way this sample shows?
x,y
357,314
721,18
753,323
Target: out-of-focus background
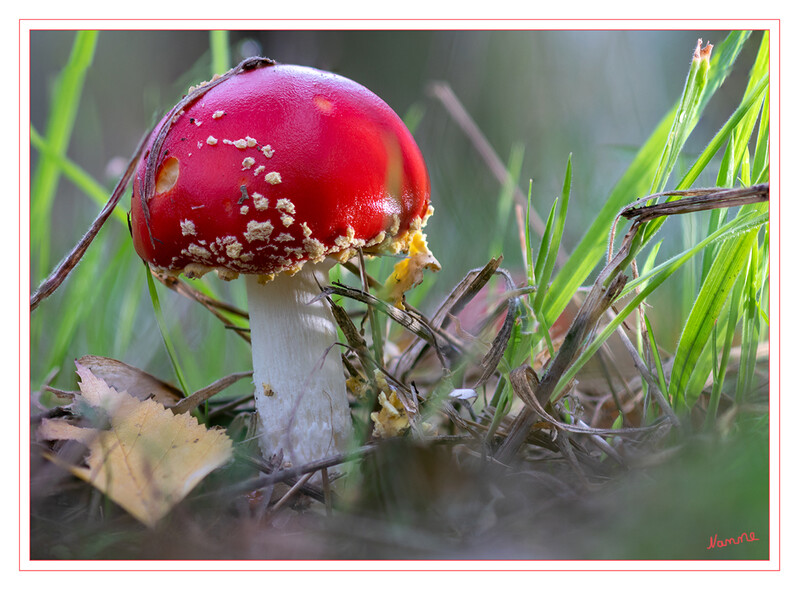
x,y
594,94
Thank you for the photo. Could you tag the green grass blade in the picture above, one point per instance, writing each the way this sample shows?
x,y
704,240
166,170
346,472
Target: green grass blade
x,y
724,56
724,178
591,248
553,246
726,175
738,226
692,362
90,290
79,177
413,116
760,164
77,303
760,70
750,102
64,104
501,402
731,260
729,333
528,244
653,280
746,176
739,126
685,119
656,356
505,201
126,325
764,274
541,259
689,235
649,263
220,51
537,272
159,318
751,329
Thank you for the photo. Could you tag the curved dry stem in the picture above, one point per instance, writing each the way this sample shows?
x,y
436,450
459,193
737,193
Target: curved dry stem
x,y
60,273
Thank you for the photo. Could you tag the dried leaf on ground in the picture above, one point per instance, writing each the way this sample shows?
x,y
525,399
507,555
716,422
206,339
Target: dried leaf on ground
x,y
144,457
135,382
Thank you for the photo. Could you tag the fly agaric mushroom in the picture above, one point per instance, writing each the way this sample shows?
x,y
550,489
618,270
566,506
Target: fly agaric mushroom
x,y
277,172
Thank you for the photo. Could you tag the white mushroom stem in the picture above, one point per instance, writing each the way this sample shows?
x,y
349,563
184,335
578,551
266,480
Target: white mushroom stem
x,y
300,390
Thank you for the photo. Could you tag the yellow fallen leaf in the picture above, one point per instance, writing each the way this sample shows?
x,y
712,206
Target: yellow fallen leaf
x,y
409,271
144,457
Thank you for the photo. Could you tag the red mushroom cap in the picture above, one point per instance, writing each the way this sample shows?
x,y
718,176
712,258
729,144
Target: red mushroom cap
x,y
274,165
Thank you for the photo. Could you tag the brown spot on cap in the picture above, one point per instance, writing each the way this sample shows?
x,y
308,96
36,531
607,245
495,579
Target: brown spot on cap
x,y
167,175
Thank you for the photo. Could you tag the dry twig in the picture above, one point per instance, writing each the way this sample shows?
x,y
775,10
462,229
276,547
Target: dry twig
x,y
202,395
60,273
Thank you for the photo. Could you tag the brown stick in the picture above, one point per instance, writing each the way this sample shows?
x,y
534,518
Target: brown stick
x,y
188,404
52,282
698,200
